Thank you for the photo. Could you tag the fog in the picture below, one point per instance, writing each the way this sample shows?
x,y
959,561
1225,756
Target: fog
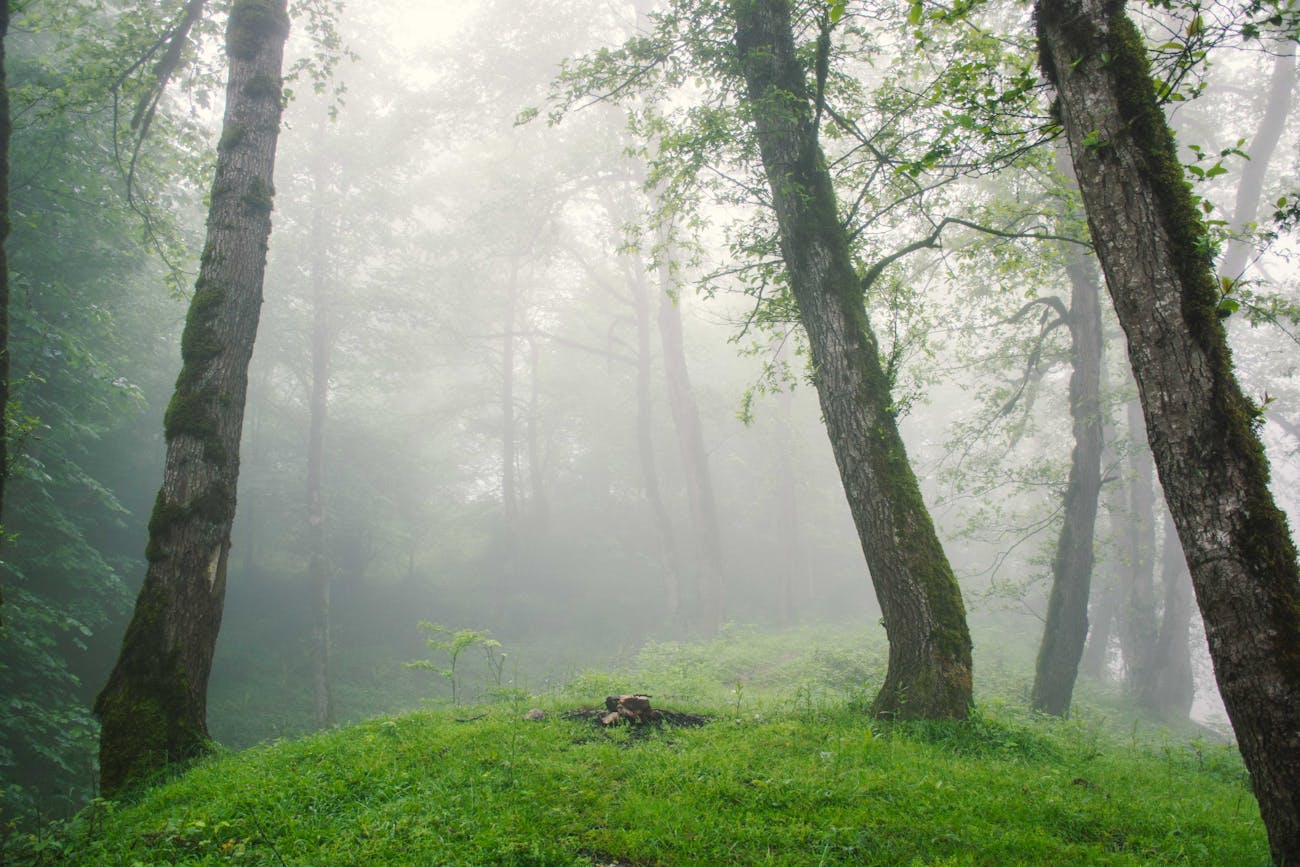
x,y
549,411
456,260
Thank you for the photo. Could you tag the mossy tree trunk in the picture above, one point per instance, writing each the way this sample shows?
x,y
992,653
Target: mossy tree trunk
x,y
1066,629
154,707
1200,426
929,673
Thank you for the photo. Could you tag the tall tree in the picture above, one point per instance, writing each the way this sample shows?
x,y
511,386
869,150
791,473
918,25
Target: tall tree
x,y
700,499
1170,689
1250,189
1138,621
1066,629
322,346
1201,427
929,674
154,707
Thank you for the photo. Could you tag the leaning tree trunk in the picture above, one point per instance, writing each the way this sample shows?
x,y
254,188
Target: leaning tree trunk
x,y
1066,629
1201,427
929,673
154,707
1250,189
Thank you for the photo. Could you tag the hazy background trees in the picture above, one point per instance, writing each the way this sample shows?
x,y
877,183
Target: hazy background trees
x,y
497,376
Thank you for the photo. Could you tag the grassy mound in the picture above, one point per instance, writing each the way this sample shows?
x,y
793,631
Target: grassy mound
x,y
789,771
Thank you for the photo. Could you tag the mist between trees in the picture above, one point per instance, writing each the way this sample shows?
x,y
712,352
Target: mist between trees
x,y
552,337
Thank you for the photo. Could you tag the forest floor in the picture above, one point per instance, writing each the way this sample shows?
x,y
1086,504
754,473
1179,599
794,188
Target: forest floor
x,y
784,777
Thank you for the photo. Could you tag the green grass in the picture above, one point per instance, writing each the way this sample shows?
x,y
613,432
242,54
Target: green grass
x,y
789,772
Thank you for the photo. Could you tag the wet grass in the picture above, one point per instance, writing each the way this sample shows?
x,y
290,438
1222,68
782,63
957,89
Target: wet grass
x,y
785,774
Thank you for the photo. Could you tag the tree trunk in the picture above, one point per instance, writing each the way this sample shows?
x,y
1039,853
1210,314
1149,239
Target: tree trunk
x,y
1170,690
154,707
929,673
1139,623
1096,654
1200,426
318,573
695,458
509,447
1251,187
539,507
1066,629
792,565
639,288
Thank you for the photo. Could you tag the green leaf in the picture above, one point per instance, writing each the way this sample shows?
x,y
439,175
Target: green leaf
x,y
836,11
915,13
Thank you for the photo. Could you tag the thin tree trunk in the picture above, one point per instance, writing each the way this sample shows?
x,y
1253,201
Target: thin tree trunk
x,y
1149,238
695,458
1251,187
1096,654
153,709
509,447
1066,629
322,340
1139,623
539,508
929,674
1170,690
639,288
787,509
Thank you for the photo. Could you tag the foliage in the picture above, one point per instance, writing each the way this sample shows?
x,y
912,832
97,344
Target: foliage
x,y
452,644
86,355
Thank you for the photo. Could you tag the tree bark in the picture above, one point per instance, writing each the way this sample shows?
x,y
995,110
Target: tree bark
x,y
1066,629
1251,187
153,709
1201,427
929,674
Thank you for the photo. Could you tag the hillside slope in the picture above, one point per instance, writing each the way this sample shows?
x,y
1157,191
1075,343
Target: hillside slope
x,y
800,782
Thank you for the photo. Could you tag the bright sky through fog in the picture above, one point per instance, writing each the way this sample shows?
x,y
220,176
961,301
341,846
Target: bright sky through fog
x,y
422,22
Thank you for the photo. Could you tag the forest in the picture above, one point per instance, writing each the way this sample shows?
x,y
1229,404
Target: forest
x,y
401,399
